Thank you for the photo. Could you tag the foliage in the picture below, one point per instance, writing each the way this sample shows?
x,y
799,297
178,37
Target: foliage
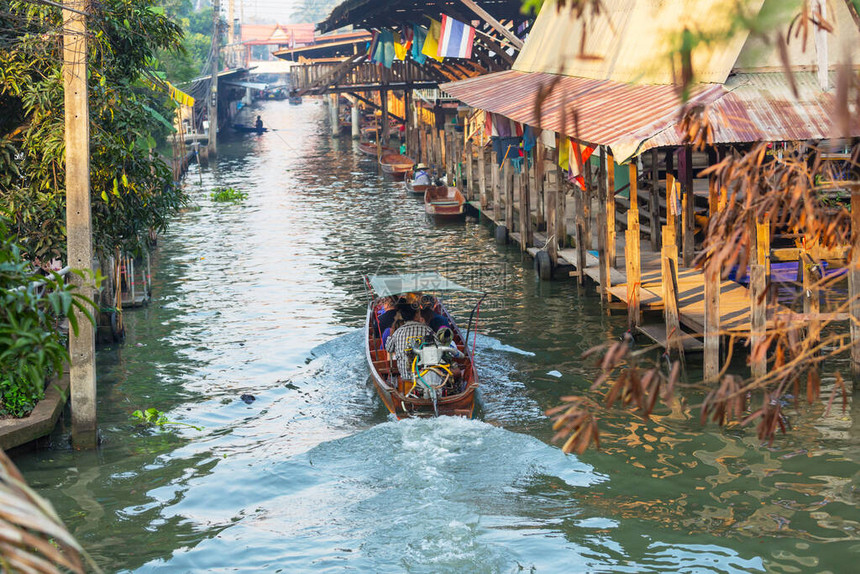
x,y
185,64
132,190
228,194
32,536
313,11
30,346
156,418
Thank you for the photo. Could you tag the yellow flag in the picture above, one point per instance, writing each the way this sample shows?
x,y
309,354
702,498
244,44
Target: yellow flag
x,y
563,152
399,49
431,42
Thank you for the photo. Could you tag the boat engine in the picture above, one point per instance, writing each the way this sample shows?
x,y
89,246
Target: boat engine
x,y
433,374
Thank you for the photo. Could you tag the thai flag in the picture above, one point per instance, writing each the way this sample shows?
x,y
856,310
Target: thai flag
x,y
456,39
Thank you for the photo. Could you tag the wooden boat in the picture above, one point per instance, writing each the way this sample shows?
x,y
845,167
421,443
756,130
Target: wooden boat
x,y
443,201
295,100
402,396
396,165
249,129
369,148
415,189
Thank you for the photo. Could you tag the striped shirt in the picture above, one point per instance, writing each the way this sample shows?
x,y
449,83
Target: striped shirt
x,y
409,335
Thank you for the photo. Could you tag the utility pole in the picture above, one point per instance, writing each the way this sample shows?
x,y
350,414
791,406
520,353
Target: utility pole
x,y
213,90
79,232
231,31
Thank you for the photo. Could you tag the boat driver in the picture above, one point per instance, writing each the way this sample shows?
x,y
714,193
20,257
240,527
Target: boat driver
x,y
407,332
420,176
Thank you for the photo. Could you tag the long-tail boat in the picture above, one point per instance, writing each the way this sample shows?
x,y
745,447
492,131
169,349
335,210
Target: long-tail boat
x,y
369,148
396,165
430,390
443,201
415,189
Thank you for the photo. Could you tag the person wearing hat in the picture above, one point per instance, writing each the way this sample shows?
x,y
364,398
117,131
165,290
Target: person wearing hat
x,y
420,175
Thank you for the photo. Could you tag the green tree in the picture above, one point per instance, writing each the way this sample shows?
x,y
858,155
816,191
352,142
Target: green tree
x,y
132,188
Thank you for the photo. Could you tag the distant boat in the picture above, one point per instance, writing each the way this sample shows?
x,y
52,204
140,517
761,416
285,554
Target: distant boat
x,y
443,201
295,100
396,165
249,129
369,148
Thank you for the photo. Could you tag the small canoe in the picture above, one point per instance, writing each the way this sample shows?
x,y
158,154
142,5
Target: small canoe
x,y
403,396
369,148
415,189
442,201
396,165
249,129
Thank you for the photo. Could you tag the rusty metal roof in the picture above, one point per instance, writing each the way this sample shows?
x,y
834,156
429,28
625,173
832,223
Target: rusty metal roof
x,y
633,118
593,111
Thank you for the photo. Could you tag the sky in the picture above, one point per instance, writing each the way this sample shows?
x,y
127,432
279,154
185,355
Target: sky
x,y
272,10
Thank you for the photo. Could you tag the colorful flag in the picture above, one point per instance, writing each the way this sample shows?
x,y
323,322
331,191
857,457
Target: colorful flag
x,y
431,42
399,47
579,162
455,39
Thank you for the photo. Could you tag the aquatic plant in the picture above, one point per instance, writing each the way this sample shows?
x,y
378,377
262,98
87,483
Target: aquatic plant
x,y
228,195
155,418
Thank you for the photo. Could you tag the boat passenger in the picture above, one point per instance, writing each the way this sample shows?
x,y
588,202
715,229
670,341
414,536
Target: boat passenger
x,y
421,176
258,125
407,332
433,319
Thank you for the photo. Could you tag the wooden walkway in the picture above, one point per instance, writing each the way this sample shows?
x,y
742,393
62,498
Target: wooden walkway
x,y
735,316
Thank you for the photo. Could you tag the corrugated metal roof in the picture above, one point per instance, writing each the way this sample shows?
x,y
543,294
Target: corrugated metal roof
x,y
632,40
594,111
633,118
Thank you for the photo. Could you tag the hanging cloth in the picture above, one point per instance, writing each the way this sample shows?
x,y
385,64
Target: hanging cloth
x,y
529,139
385,48
431,42
399,47
419,34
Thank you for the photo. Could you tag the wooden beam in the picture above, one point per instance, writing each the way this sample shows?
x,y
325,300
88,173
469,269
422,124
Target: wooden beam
x,y
497,26
375,106
482,176
711,358
689,215
631,252
509,195
854,287
654,200
551,207
604,273
610,206
497,192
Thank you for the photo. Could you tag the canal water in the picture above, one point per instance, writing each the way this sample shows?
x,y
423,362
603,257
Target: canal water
x,y
265,298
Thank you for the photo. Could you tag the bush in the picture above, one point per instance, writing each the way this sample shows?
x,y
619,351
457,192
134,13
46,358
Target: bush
x,y
228,194
31,348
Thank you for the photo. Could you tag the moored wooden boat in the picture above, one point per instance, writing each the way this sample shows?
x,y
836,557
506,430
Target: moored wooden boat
x,y
443,201
414,189
249,129
396,165
402,395
369,148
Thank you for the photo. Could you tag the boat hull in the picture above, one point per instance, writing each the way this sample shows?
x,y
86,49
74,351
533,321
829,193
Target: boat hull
x,y
444,202
415,189
396,165
392,391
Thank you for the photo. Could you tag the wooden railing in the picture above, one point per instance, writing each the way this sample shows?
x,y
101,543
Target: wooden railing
x,y
357,74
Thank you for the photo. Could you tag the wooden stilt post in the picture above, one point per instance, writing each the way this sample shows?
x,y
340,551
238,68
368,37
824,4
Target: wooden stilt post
x,y
82,365
561,210
669,268
654,200
467,162
579,197
482,176
711,357
854,288
508,185
551,207
610,207
689,215
602,228
385,118
631,252
497,192
811,290
540,185
587,195
758,309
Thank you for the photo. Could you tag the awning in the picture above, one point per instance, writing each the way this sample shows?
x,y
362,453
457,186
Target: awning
x,y
388,285
252,85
